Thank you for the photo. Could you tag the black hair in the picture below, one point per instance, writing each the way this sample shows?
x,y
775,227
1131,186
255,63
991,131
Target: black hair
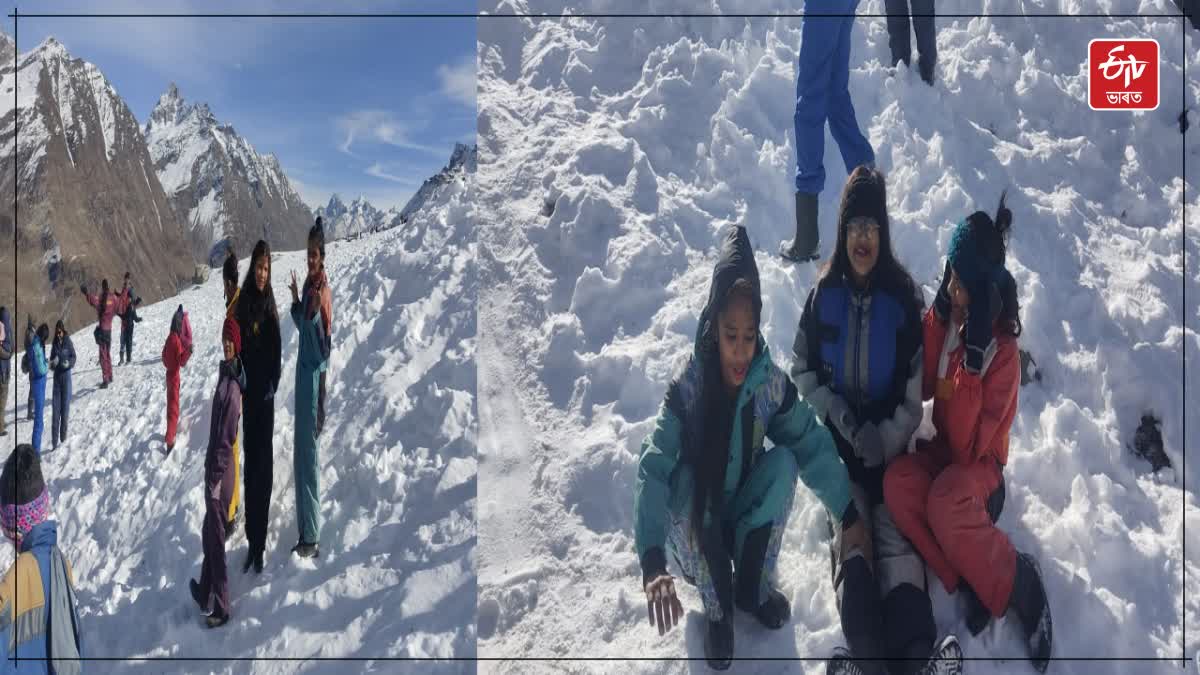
x,y
229,270
316,236
43,333
253,305
887,271
710,451
1010,313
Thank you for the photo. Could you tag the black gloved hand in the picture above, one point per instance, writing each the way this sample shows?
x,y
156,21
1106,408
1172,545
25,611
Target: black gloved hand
x,y
982,311
941,301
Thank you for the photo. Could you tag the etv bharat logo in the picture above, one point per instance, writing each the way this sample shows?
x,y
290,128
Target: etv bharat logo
x,y
1123,74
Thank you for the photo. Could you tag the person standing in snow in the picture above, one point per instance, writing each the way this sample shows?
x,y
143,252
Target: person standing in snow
x,y
212,591
258,319
107,306
175,354
38,369
6,348
947,496
30,334
37,594
857,362
324,373
229,279
822,94
708,491
62,360
128,318
311,311
922,13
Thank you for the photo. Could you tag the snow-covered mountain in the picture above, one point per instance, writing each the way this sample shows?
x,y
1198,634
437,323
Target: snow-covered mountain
x,y
89,202
222,188
359,217
612,155
462,162
396,576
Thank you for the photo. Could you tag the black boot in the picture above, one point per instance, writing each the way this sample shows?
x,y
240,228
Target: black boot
x,y
718,635
258,562
804,247
194,587
249,561
774,611
305,550
1029,600
978,616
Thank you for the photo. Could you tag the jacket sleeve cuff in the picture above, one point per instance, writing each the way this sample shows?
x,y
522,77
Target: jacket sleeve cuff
x,y
654,563
849,516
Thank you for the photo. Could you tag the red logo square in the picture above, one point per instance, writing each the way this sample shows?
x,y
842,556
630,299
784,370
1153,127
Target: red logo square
x,y
1123,74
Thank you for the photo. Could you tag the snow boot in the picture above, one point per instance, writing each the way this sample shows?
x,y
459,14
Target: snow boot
x,y
946,659
718,643
978,616
841,663
718,635
194,587
216,620
258,562
249,561
1033,609
804,247
773,612
305,550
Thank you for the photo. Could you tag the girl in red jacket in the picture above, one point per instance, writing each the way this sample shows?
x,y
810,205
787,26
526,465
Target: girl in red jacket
x,y
947,495
175,355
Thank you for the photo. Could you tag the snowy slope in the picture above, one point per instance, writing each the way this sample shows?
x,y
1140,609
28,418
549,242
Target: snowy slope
x,y
612,153
396,575
462,162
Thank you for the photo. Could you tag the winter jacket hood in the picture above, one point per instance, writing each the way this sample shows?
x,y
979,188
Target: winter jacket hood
x,y
735,261
38,615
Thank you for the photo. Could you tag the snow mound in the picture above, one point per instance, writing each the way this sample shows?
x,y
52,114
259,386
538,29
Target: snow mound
x,y
613,152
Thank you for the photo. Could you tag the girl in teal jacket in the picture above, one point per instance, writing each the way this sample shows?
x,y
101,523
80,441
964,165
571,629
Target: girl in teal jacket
x,y
708,490
311,312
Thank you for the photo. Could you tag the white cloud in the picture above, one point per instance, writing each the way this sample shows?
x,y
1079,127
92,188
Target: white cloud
x,y
378,126
378,170
458,81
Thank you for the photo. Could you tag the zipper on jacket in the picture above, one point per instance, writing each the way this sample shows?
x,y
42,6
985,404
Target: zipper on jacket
x,y
857,362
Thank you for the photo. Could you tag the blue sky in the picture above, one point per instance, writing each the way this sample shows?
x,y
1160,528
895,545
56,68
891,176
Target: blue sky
x,y
354,106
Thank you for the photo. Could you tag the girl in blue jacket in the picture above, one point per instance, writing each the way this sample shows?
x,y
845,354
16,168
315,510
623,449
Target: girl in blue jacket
x,y
38,369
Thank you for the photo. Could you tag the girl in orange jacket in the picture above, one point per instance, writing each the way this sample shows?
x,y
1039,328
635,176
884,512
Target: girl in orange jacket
x,y
947,496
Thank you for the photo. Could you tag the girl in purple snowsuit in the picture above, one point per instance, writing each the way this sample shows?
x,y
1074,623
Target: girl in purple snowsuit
x,y
212,591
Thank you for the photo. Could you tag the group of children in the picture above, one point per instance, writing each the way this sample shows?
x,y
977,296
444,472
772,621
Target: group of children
x,y
37,597
248,380
712,497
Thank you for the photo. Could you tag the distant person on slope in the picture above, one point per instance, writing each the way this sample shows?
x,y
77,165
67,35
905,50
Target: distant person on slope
x,y
229,279
175,354
947,496
128,318
107,306
212,592
311,312
37,594
922,14
822,94
38,369
62,360
258,319
709,495
857,362
6,350
30,334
